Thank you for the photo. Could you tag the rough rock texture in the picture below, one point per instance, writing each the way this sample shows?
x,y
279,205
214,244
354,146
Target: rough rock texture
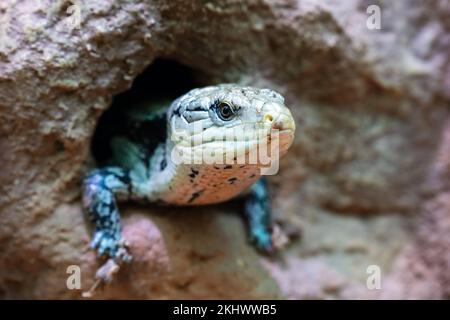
x,y
366,178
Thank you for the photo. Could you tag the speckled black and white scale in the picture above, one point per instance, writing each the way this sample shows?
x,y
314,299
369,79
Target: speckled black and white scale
x,y
141,167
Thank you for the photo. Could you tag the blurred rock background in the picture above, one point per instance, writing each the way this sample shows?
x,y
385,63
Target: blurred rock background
x,y
366,180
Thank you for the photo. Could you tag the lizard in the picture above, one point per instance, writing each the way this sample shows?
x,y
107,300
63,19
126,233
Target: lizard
x,y
142,165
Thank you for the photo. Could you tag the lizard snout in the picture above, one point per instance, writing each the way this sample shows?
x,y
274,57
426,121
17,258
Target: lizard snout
x,y
278,117
284,122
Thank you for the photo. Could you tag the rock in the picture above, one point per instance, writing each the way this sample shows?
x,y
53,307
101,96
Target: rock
x,y
421,269
360,179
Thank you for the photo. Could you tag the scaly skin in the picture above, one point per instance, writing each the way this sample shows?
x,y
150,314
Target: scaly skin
x,y
149,164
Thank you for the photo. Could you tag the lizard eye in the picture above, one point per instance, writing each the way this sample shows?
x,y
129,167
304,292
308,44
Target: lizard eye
x,y
225,111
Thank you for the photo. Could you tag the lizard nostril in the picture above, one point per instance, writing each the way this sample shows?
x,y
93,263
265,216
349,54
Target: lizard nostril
x,y
284,122
268,118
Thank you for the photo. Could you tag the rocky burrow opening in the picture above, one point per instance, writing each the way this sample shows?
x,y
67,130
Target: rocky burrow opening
x,y
160,84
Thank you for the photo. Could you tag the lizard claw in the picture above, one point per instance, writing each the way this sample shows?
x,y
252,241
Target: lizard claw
x,y
104,275
117,252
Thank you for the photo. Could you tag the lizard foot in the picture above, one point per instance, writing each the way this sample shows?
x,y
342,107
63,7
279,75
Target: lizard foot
x,y
118,253
104,275
271,242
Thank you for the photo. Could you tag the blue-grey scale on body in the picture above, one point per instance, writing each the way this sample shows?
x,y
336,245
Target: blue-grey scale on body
x,y
141,165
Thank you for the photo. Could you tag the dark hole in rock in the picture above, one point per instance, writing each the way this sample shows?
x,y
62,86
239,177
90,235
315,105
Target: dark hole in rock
x,y
160,84
59,146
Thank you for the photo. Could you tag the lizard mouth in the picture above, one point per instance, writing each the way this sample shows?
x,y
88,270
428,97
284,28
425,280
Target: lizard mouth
x,y
270,142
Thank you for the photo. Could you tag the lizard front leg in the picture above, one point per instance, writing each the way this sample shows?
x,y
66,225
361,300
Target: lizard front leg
x,y
101,188
258,213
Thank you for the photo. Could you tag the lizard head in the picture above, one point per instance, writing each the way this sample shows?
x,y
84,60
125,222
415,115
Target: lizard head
x,y
227,122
